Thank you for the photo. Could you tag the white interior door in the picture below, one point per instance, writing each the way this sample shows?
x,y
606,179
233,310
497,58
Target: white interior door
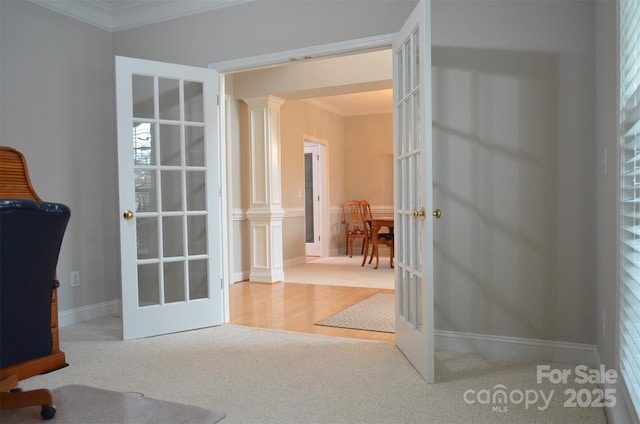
x,y
312,199
169,169
413,191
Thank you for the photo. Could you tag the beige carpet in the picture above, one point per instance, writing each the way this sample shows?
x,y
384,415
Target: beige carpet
x,y
375,313
78,404
344,271
272,377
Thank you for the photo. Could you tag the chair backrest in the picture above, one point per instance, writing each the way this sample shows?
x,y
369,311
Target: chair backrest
x,y
365,214
14,176
352,216
31,236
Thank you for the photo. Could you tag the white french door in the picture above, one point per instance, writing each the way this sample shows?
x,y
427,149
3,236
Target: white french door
x,y
413,191
169,170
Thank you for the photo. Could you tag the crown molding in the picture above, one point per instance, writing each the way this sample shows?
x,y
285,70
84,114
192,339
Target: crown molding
x,y
95,13
117,16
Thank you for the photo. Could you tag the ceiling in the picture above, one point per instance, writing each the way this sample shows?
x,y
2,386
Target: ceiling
x,y
357,104
115,15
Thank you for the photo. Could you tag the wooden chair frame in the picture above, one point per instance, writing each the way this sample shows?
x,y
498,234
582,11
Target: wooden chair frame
x,y
354,227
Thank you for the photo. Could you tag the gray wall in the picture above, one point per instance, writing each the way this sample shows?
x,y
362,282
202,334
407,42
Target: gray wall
x,y
514,266
495,154
57,99
57,104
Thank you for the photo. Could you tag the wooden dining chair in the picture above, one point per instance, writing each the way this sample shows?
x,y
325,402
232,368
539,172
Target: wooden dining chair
x,y
354,227
365,210
382,238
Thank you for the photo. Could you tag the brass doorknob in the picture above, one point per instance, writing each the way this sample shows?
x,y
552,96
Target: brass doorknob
x,y
437,213
128,215
418,213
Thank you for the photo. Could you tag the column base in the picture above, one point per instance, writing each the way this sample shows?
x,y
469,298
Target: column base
x,y
274,276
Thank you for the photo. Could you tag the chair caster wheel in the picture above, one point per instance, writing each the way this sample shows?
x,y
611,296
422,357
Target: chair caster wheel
x,y
48,412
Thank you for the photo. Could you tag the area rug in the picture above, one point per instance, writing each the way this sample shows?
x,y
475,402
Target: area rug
x,y
376,313
76,404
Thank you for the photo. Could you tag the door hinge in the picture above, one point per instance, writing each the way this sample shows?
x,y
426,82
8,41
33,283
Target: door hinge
x,y
221,283
217,100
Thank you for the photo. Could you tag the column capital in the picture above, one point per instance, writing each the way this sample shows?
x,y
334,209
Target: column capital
x,y
264,101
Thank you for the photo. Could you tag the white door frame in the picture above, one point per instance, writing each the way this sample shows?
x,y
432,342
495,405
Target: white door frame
x,y
321,208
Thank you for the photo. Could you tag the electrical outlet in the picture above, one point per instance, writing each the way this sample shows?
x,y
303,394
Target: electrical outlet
x,y
75,279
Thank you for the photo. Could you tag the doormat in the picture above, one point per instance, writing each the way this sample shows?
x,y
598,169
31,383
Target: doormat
x,y
376,313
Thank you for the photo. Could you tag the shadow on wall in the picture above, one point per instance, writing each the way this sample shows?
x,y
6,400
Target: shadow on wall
x,y
495,139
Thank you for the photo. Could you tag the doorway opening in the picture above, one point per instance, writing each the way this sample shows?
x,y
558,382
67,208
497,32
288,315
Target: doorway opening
x,y
331,224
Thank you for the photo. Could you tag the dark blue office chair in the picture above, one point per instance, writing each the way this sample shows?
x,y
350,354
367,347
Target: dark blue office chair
x,y
31,234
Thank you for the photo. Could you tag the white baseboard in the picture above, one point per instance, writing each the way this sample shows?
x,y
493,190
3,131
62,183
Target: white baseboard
x,y
240,276
86,313
516,348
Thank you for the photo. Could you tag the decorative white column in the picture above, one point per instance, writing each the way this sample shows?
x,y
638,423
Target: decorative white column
x,y
265,210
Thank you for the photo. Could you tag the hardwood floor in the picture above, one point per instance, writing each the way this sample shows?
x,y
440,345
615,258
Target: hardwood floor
x,y
297,307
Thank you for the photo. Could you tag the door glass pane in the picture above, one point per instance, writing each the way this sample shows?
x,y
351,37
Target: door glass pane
x,y
170,145
416,60
147,237
308,197
148,285
406,78
417,113
146,199
169,98
174,282
143,144
193,101
401,128
197,234
410,135
194,145
142,87
171,191
172,236
417,324
198,280
402,175
410,303
401,272
196,200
